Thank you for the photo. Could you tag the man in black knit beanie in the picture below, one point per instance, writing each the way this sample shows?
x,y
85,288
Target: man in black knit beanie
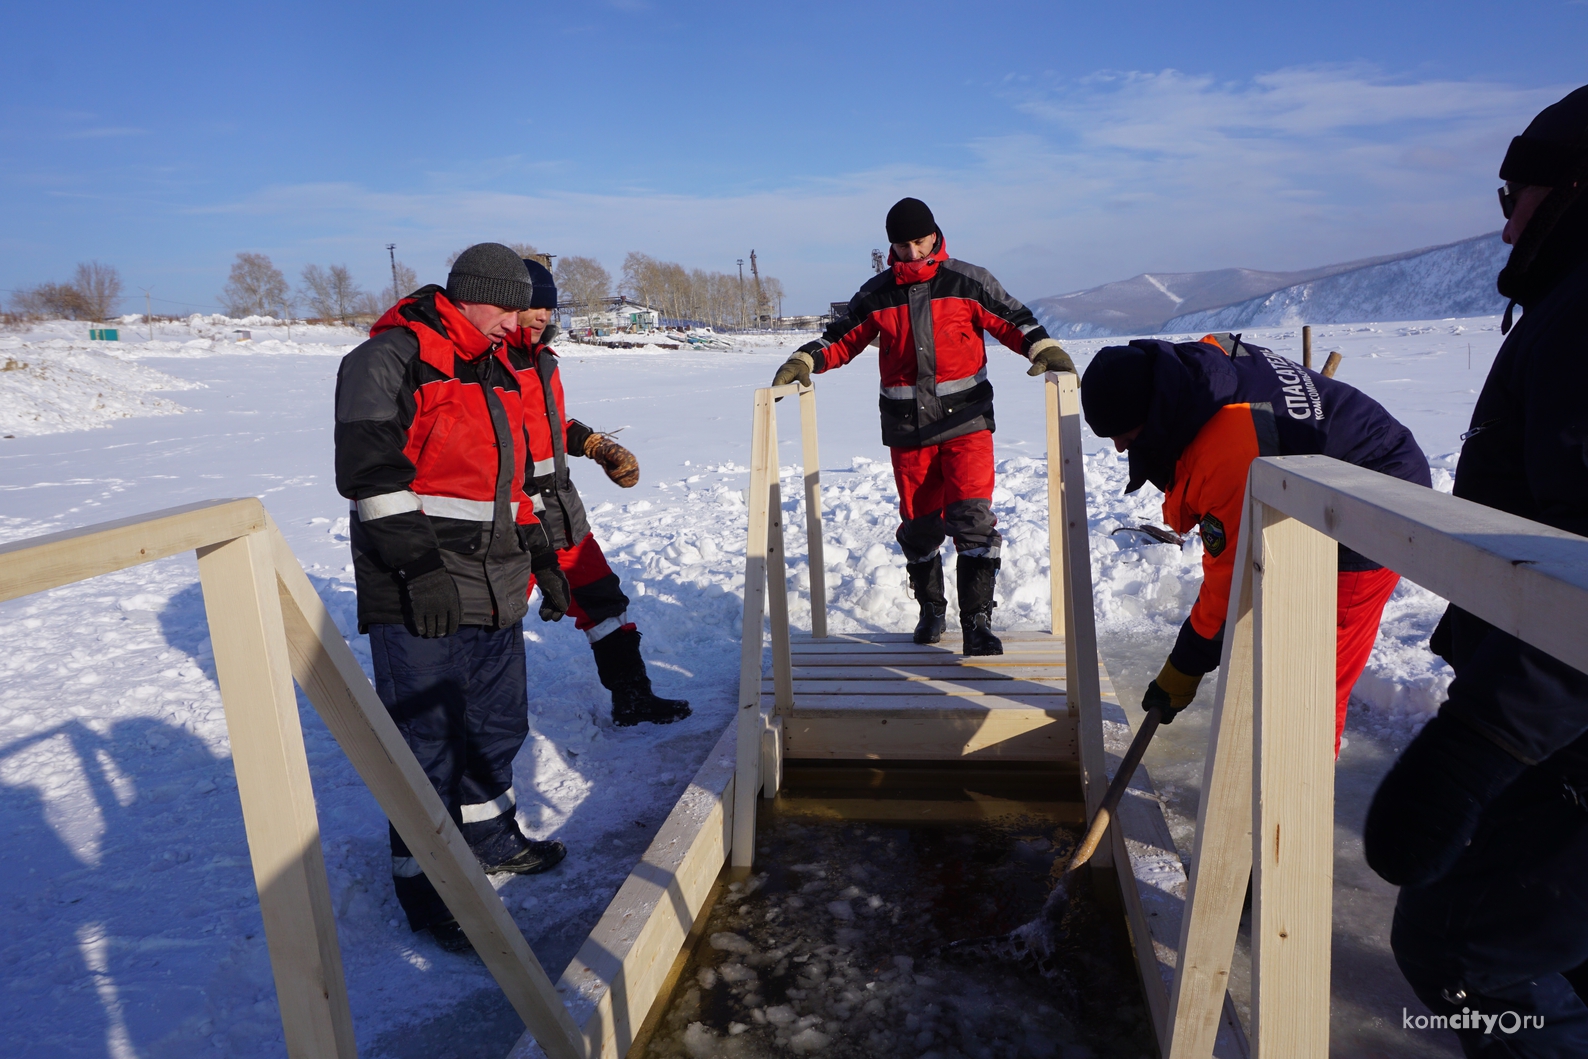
x,y
929,312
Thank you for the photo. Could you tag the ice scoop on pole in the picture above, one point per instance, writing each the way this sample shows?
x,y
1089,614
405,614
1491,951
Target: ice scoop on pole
x,y
1034,941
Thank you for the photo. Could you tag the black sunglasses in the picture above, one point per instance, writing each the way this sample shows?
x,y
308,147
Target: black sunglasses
x,y
1508,199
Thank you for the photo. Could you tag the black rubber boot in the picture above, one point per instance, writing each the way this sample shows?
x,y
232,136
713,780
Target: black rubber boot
x,y
926,581
622,672
502,848
976,576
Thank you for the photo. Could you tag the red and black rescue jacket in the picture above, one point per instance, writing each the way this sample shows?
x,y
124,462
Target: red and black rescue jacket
x,y
430,447
552,436
1217,405
929,316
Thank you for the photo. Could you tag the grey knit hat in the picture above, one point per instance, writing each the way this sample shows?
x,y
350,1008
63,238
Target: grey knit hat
x,y
490,274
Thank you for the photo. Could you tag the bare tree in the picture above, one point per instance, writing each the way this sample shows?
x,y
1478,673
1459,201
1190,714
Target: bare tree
x,y
99,287
332,294
582,282
256,287
59,300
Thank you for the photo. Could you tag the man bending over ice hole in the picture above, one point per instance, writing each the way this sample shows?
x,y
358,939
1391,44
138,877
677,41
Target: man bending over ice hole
x,y
1193,417
430,449
929,312
599,607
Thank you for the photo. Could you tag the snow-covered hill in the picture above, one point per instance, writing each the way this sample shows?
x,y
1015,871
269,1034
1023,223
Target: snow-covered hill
x,y
1443,281
1456,279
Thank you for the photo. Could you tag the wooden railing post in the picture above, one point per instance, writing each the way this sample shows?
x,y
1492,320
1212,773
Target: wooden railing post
x,y
1081,683
255,675
747,777
1221,860
331,678
1057,593
1293,616
814,552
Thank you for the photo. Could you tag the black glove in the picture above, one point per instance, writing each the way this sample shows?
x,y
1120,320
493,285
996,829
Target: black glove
x,y
1427,808
555,594
432,596
1170,691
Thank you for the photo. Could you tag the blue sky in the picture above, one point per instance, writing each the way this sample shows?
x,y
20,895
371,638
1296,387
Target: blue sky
x,y
1060,144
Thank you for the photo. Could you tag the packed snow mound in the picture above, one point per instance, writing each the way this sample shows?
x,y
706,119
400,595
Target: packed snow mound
x,y
55,386
1441,282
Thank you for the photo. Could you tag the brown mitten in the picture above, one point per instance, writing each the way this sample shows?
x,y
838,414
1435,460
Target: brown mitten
x,y
617,461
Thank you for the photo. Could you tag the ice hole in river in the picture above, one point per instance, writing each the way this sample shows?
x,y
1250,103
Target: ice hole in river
x,y
830,946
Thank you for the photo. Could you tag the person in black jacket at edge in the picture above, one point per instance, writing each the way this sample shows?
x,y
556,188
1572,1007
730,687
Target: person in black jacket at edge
x,y
1483,821
431,450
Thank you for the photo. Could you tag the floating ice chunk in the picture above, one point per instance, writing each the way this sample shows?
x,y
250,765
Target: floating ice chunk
x,y
707,978
781,1015
700,1042
839,910
736,1028
904,963
735,973
808,1040
873,902
727,942
849,893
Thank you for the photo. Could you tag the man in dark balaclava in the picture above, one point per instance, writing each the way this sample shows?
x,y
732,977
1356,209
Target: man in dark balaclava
x,y
1483,822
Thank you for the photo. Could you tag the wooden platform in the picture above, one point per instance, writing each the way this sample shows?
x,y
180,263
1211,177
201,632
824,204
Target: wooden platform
x,y
879,696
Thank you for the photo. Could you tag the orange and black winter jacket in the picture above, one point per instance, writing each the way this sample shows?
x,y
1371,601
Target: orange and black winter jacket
x,y
430,448
1213,412
929,316
552,437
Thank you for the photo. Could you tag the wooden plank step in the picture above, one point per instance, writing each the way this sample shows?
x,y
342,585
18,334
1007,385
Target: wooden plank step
x,y
889,658
1006,635
970,708
1047,645
994,735
917,672
1012,689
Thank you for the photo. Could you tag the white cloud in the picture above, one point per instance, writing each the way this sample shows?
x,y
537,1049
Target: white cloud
x,y
1115,173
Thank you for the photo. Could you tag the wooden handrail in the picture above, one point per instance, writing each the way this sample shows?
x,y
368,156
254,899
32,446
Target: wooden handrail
x,y
38,564
1519,576
269,628
1273,715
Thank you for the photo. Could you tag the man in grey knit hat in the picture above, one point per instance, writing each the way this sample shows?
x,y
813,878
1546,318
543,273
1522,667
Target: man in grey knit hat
x,y
431,450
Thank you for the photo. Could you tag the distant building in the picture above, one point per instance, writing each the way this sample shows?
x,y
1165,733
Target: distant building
x,y
620,314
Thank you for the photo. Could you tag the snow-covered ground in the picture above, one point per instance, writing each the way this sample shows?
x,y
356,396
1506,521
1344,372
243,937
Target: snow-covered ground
x,y
134,927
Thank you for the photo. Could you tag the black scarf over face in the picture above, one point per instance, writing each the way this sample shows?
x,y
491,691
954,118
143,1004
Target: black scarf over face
x,y
1554,242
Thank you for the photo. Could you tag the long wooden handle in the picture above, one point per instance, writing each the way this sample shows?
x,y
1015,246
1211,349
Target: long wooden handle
x,y
1116,790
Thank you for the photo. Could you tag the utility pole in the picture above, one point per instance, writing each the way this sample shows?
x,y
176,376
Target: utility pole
x,y
760,295
391,250
148,318
741,293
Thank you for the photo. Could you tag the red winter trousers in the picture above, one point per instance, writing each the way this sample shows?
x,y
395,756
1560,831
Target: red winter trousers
x,y
1359,607
946,490
599,606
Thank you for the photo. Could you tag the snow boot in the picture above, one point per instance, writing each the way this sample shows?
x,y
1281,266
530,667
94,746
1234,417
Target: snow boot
x,y
450,936
926,582
622,672
976,576
501,848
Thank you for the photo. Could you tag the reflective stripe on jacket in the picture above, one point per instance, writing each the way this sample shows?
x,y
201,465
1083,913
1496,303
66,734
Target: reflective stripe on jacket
x,y
429,449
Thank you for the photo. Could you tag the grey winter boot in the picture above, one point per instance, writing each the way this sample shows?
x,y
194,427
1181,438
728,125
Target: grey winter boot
x,y
622,672
976,576
926,581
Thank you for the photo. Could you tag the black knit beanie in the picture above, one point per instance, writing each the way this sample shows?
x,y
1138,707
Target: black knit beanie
x,y
545,296
490,274
1553,150
910,219
1116,391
